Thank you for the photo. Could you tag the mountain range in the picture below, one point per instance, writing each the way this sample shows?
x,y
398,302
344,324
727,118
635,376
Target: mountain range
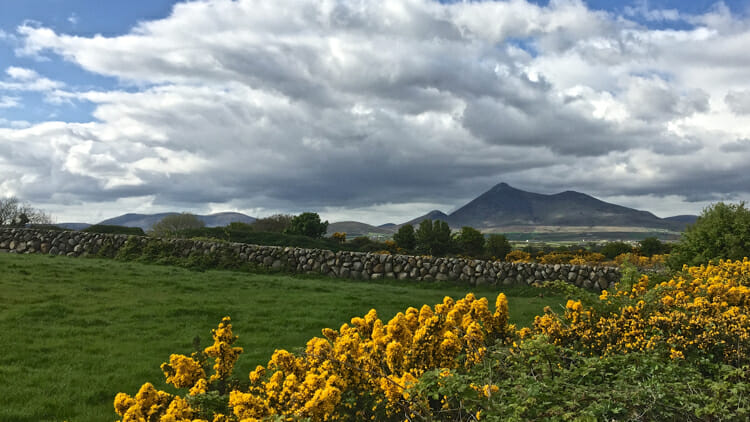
x,y
146,221
502,208
505,208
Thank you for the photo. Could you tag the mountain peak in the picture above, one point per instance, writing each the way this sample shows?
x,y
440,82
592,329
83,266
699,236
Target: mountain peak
x,y
504,205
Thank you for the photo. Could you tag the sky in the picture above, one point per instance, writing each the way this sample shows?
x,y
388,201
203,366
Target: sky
x,y
370,110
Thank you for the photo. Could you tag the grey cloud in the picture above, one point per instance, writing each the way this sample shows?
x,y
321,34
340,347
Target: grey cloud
x,y
738,101
653,99
349,104
739,145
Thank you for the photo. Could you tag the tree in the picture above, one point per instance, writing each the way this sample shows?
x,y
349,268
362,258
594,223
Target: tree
x,y
433,238
612,249
276,223
172,224
651,246
721,232
404,237
13,212
470,241
498,246
307,224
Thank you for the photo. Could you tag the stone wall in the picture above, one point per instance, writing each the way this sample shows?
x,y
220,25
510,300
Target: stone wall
x,y
354,265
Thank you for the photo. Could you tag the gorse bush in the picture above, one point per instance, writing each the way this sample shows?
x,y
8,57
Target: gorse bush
x,y
702,313
675,349
361,371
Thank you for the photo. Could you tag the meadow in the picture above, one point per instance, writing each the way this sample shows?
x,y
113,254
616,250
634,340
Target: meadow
x,y
75,332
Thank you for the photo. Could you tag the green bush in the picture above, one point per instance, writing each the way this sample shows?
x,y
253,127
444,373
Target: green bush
x,y
170,225
274,224
651,246
497,246
470,241
541,381
307,224
612,249
721,232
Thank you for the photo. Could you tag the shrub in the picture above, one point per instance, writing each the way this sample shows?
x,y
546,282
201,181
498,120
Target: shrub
x,y
340,237
612,249
721,232
276,223
307,224
518,256
361,371
470,241
646,350
651,246
170,225
497,246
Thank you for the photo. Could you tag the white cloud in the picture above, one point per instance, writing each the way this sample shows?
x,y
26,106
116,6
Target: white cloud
x,y
23,79
375,107
9,102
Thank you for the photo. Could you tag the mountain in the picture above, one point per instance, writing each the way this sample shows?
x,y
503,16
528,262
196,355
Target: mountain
x,y
432,215
355,229
504,206
685,220
73,226
222,219
146,221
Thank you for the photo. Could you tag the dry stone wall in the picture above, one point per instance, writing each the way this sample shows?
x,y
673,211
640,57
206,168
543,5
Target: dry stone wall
x,y
343,264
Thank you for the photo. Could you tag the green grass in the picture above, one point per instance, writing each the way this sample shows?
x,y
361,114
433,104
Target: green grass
x,y
75,332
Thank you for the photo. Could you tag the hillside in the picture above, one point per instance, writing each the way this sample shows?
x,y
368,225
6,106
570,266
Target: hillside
x,y
432,215
355,229
146,221
504,206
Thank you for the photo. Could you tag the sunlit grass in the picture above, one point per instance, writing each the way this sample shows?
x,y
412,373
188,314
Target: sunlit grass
x,y
75,332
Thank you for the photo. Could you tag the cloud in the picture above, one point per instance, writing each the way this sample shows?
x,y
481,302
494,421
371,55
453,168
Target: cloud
x,y
387,105
8,102
641,9
23,79
739,145
738,101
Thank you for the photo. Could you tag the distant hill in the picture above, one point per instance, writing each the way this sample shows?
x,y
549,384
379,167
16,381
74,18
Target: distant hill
x,y
355,229
432,215
146,221
73,226
683,219
504,206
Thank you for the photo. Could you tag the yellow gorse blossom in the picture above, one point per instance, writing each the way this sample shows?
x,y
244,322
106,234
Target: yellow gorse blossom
x,y
371,362
705,310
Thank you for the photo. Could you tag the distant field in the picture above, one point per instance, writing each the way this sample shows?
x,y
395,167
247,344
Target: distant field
x,y
550,234
76,331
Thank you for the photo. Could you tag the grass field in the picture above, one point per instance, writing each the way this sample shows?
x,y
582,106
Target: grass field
x,y
74,332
